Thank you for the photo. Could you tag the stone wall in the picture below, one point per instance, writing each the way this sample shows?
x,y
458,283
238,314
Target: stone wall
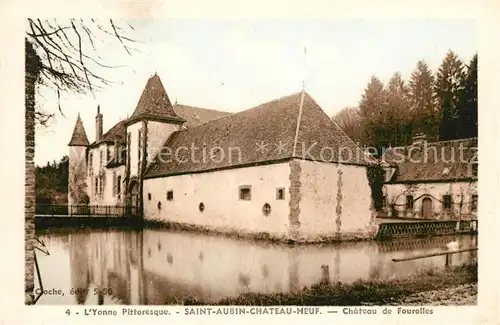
x,y
335,202
294,201
32,66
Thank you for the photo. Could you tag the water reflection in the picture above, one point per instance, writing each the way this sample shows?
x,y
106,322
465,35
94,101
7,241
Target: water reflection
x,y
80,267
155,267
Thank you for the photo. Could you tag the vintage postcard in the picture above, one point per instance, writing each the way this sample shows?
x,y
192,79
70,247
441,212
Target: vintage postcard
x,y
189,169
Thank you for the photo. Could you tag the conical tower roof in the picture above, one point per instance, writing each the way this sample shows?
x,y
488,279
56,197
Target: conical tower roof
x,y
79,137
154,103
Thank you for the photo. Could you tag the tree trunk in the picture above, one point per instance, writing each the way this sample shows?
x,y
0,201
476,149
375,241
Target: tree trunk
x,y
32,72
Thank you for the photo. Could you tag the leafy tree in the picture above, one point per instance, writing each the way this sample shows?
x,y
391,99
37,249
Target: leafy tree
x,y
397,112
371,107
441,107
448,87
349,120
468,112
423,102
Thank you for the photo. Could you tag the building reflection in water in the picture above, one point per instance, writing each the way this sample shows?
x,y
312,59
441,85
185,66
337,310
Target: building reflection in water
x,y
155,267
80,266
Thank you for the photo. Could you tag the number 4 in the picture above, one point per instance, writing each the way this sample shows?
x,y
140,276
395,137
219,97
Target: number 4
x,y
68,312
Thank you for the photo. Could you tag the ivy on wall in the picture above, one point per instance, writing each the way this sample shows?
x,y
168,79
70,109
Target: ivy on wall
x,y
376,175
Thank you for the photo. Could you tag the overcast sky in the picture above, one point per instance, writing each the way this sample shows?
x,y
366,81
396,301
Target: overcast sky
x,y
233,65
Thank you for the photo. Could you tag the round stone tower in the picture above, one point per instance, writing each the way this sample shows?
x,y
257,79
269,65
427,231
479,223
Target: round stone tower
x,y
77,173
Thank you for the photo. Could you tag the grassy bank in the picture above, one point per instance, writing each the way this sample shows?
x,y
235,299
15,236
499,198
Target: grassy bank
x,y
357,293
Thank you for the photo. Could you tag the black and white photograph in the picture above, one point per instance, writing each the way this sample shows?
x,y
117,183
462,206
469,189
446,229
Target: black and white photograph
x,y
251,166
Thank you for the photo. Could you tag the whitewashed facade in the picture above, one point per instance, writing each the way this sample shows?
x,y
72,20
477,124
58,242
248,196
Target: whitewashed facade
x,y
443,188
284,188
213,199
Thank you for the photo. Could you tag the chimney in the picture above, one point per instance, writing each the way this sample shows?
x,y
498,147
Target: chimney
x,y
419,139
98,124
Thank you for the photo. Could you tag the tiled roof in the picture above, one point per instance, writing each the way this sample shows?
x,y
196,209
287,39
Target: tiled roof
x,y
115,163
435,161
117,132
195,116
79,137
154,103
266,133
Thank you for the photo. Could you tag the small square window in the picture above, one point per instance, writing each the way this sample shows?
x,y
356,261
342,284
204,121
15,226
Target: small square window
x,y
280,194
447,202
170,195
409,202
245,192
149,196
474,203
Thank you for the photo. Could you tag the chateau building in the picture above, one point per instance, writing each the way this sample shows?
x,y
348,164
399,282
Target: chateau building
x,y
282,169
432,180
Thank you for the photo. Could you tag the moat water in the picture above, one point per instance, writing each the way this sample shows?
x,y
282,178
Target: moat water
x,y
157,267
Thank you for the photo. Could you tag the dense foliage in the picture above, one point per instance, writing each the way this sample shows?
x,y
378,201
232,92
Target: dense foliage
x,y
52,183
441,105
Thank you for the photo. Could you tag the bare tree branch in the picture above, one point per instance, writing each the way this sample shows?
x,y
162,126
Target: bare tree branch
x,y
66,64
118,36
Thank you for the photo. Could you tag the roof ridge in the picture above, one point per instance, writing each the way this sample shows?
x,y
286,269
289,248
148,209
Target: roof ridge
x,y
371,158
299,118
243,111
436,142
202,108
455,140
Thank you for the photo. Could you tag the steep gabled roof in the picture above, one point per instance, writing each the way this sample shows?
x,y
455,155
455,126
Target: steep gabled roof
x,y
433,161
154,103
195,116
289,127
79,137
117,132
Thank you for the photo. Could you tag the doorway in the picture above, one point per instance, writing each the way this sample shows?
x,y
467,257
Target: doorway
x,y
427,211
133,199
